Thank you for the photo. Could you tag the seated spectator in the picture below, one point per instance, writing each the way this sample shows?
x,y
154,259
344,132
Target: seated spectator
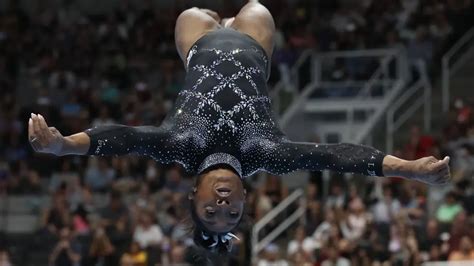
x,y
336,198
98,175
323,231
147,233
334,258
127,260
301,245
136,255
5,258
465,251
271,257
120,235
353,227
67,251
174,181
64,176
430,237
124,181
275,189
177,256
115,210
101,250
104,118
449,209
56,217
385,208
80,221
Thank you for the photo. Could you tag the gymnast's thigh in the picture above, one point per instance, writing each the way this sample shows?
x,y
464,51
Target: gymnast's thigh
x,y
255,20
191,25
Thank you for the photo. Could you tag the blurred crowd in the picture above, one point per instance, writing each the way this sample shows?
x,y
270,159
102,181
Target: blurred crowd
x,y
81,70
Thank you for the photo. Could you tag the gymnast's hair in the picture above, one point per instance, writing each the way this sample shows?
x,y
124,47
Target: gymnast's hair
x,y
210,246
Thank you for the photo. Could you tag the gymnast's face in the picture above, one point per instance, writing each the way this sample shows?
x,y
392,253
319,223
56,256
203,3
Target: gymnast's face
x,y
219,200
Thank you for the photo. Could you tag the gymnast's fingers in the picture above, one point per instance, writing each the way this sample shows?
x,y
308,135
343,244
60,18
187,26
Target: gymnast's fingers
x,y
441,164
32,137
31,130
40,135
36,128
44,128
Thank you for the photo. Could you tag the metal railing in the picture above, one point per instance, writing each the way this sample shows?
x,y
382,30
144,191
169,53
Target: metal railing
x,y
453,60
289,82
391,84
258,245
423,85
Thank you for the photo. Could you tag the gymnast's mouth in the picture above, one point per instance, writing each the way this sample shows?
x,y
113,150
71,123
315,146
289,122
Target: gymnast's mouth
x,y
223,191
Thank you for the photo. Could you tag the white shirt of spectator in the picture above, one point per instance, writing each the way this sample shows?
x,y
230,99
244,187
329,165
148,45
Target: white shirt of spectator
x,y
308,246
264,262
340,262
383,211
148,237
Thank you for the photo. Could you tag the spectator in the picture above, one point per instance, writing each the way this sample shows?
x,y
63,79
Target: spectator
x,y
98,174
174,181
58,216
334,258
136,255
465,252
147,233
272,257
5,258
66,252
449,209
64,176
430,237
115,211
323,232
301,245
127,260
353,227
336,198
386,208
101,250
104,118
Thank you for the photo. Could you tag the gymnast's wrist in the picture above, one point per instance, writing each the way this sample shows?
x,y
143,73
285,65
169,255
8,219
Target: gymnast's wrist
x,y
396,167
77,144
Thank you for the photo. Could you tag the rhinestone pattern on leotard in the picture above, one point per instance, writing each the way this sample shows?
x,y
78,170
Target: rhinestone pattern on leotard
x,y
223,116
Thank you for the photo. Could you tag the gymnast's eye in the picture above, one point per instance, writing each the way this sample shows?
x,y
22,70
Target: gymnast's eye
x,y
234,214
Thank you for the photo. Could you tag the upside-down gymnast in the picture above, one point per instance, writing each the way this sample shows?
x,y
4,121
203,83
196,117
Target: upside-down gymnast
x,y
221,128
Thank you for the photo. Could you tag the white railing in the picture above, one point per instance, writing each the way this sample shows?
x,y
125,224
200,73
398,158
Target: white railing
x,y
297,197
422,85
453,60
391,84
289,81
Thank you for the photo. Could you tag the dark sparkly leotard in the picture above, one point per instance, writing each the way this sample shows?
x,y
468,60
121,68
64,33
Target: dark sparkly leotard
x,y
223,115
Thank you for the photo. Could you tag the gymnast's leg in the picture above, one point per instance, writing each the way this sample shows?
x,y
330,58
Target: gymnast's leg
x,y
255,20
191,25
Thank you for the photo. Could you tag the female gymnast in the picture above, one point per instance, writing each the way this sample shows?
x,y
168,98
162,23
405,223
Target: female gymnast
x,y
222,128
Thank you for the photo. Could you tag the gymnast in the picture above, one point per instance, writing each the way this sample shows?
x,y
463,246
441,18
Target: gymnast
x,y
222,129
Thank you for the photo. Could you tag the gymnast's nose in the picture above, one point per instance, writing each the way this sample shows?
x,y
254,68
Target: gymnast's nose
x,y
220,202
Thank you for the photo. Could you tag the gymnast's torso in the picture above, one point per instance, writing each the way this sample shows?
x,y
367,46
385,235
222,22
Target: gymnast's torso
x,y
225,101
223,115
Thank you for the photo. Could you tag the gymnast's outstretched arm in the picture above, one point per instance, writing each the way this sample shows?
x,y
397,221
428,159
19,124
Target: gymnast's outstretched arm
x,y
104,140
287,156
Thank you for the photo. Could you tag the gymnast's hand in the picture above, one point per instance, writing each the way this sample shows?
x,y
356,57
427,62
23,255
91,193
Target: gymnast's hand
x,y
42,138
428,170
431,171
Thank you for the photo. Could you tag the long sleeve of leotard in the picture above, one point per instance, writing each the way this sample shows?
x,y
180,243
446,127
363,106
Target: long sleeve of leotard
x,y
120,140
286,156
